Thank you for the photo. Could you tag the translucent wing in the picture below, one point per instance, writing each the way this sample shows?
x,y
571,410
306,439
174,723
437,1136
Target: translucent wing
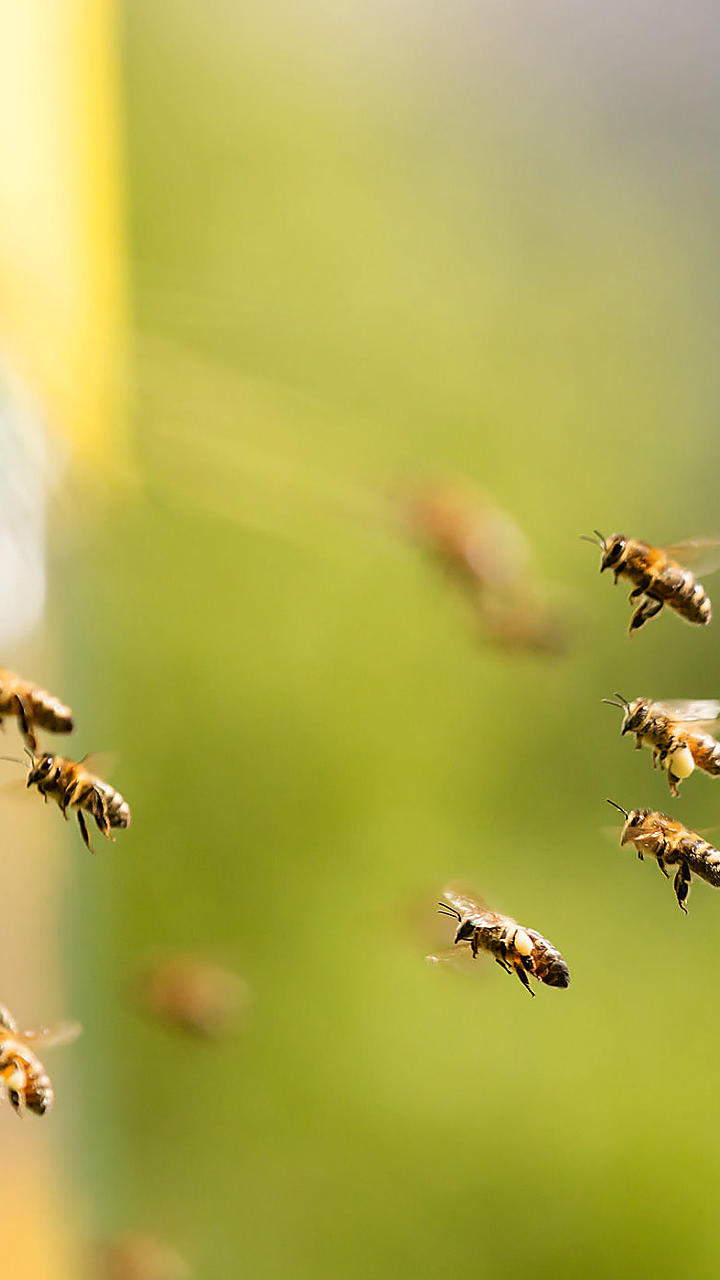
x,y
49,1037
695,711
466,903
699,555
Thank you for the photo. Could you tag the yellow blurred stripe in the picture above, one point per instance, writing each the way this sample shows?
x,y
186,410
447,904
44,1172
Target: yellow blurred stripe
x,y
62,287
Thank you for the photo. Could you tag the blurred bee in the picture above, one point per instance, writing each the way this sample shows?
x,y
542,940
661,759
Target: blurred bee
x,y
517,950
33,707
672,845
142,1257
189,992
487,554
74,787
23,1075
677,733
658,575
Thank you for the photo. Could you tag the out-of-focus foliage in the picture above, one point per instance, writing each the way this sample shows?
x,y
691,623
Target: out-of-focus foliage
x,y
372,243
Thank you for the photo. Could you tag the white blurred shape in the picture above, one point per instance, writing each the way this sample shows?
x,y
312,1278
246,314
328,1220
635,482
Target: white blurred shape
x,y
24,470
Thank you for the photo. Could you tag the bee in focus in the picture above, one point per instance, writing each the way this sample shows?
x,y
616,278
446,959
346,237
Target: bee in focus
x,y
488,555
190,992
34,708
517,950
671,845
677,733
73,787
23,1075
661,575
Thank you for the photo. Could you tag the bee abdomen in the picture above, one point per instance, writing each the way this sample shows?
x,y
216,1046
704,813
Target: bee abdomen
x,y
39,1094
548,964
685,595
706,754
118,811
49,712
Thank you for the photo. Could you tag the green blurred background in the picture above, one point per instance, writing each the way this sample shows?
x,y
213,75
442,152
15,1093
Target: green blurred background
x,y
370,243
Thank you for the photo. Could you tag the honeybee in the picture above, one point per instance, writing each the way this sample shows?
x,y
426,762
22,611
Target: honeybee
x,y
33,707
672,845
73,787
677,733
190,992
489,556
659,577
23,1075
142,1257
515,949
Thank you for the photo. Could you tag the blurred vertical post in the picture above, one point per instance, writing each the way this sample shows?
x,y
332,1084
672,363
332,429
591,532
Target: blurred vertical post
x,y
62,321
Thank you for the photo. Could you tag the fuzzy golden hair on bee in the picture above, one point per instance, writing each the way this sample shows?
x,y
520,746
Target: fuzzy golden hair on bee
x,y
661,577
517,949
671,844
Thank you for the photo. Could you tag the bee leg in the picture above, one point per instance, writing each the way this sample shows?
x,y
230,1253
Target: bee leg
x,y
523,978
681,885
100,813
662,866
26,731
83,829
503,964
673,784
647,609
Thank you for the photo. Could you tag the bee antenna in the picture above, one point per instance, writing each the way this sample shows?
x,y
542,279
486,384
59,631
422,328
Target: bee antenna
x,y
618,806
601,536
609,703
623,700
13,760
447,910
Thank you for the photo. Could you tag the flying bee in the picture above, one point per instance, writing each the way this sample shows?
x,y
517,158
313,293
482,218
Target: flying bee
x,y
33,707
672,845
73,787
488,555
23,1075
517,950
661,575
190,992
677,733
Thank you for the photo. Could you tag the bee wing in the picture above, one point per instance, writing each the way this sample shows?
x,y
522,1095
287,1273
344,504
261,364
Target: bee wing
x,y
700,555
695,711
468,904
63,1033
456,959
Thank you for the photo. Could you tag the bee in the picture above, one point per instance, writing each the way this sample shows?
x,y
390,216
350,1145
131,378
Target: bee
x,y
33,707
26,1081
677,733
672,845
658,575
142,1257
189,992
488,555
74,787
515,949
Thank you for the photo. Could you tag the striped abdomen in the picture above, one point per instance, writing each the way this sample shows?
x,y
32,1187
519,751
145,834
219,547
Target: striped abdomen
x,y
705,752
117,807
681,591
46,711
39,1095
548,964
701,857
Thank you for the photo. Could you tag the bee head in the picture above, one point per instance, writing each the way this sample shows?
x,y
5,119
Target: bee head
x,y
634,821
40,768
636,716
465,931
465,928
613,549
